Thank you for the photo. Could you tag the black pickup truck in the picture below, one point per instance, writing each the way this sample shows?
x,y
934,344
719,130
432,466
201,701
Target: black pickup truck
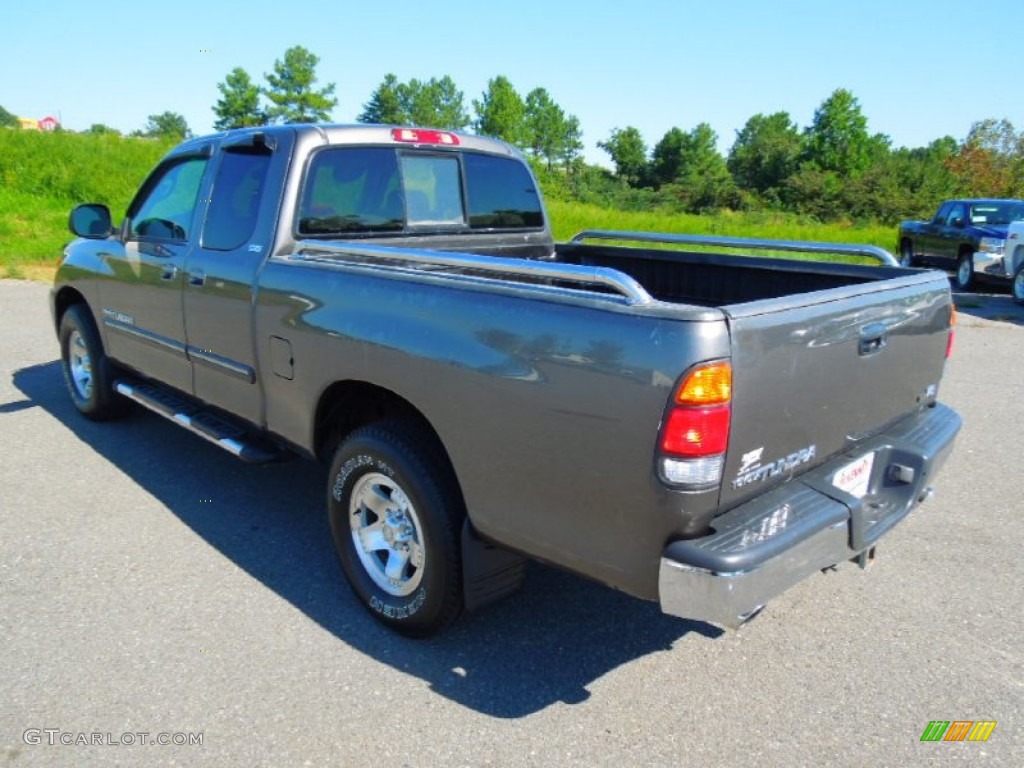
x,y
691,427
967,237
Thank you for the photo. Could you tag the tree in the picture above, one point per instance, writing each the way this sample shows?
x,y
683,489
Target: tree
x,y
991,160
239,105
666,158
628,152
166,125
765,152
291,92
100,129
704,174
571,151
838,140
385,105
434,103
500,112
7,119
691,164
549,133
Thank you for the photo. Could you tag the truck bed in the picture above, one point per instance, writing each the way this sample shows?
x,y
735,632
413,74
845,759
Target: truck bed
x,y
716,279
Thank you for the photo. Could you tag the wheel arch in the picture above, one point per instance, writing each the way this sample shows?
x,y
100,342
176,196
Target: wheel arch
x,y
63,300
345,406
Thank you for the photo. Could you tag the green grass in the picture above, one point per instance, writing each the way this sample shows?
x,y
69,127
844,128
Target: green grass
x,y
569,218
43,175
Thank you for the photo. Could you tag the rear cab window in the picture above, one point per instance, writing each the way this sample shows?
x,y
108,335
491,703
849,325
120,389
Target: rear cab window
x,y
368,191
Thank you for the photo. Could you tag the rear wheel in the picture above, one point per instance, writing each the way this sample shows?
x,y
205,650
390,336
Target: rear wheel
x,y
396,515
88,373
1017,287
964,277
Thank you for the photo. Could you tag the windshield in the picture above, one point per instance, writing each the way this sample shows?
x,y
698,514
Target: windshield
x,y
998,213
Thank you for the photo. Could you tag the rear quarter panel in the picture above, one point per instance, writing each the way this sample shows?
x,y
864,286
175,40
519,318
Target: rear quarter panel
x,y
549,410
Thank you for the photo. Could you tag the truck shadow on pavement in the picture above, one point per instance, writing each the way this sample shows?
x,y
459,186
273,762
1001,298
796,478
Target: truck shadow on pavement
x,y
543,645
984,305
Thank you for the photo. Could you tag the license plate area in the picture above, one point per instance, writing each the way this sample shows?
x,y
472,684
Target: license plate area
x,y
855,478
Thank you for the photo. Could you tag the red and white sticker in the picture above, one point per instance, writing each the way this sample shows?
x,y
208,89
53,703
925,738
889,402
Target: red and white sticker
x,y
855,477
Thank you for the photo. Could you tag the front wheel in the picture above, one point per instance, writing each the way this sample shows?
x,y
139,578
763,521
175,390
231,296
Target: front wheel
x,y
87,371
1017,287
964,277
395,515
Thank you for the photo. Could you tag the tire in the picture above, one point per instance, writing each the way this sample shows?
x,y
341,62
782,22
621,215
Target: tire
x,y
963,278
1017,286
396,516
88,373
907,258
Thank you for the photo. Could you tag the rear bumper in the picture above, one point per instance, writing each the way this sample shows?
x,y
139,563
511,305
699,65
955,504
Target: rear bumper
x,y
763,547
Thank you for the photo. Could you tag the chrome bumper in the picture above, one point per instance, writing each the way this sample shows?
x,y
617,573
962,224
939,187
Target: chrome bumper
x,y
989,264
762,548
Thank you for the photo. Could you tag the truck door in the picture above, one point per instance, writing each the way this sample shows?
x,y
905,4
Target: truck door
x,y
929,242
141,306
951,235
221,273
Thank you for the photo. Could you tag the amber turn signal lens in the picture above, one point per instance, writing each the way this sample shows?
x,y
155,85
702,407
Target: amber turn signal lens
x,y
709,384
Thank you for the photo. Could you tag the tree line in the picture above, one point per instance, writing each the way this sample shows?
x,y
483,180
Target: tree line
x,y
832,169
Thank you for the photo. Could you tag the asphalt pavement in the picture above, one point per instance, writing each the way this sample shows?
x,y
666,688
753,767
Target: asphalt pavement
x,y
153,588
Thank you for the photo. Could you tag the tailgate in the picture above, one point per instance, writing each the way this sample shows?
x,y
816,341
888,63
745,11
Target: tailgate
x,y
814,374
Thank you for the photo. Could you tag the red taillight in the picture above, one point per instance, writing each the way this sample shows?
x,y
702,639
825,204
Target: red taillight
x,y
695,435
696,432
421,136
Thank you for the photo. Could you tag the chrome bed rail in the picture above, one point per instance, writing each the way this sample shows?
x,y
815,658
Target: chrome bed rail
x,y
800,246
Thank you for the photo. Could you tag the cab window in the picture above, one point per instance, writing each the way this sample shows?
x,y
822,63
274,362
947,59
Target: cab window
x,y
235,201
351,190
165,211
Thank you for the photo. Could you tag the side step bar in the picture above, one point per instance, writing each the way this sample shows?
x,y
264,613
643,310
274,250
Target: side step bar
x,y
220,429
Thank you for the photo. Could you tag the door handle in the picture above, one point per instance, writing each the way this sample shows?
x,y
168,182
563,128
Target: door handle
x,y
873,339
197,278
169,273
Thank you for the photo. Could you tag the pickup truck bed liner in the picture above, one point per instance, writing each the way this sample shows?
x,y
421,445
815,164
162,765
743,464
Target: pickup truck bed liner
x,y
716,279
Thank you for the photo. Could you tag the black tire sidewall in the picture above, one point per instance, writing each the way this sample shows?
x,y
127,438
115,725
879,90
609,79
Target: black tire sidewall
x,y
437,599
101,401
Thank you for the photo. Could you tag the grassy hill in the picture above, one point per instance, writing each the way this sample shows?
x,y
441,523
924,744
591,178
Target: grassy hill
x,y
43,175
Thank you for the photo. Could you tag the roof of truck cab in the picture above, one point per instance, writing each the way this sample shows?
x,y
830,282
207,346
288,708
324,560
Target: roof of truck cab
x,y
358,133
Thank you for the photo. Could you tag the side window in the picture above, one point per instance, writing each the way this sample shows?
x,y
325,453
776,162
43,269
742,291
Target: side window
x,y
501,194
940,217
956,212
166,209
351,190
237,191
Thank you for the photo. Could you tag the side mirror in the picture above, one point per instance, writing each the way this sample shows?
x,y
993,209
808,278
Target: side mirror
x,y
90,220
958,222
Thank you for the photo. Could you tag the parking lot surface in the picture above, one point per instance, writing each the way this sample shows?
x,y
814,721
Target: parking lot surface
x,y
152,585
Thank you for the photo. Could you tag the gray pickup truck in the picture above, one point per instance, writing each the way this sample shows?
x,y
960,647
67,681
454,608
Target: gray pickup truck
x,y
688,426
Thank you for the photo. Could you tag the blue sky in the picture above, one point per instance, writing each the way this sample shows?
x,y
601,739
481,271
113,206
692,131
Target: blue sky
x,y
920,70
